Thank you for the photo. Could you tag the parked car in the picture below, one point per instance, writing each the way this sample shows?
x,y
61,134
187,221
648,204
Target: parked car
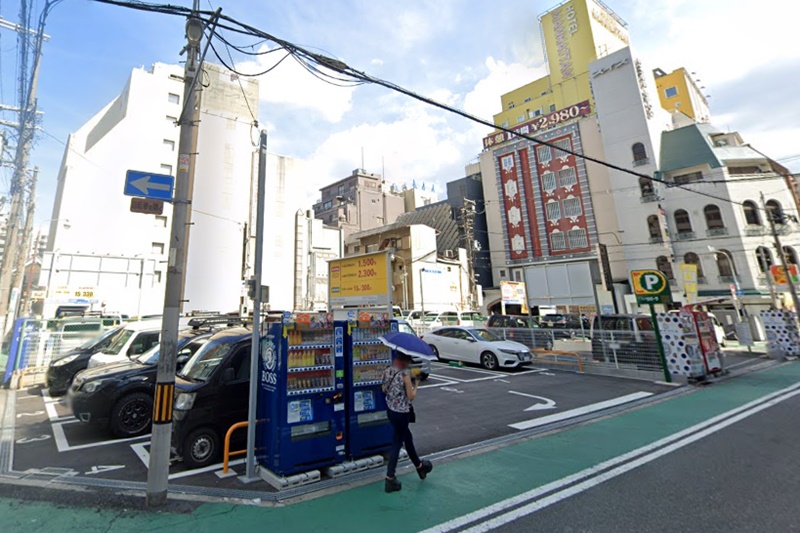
x,y
211,395
121,394
524,329
437,319
132,340
62,370
569,325
628,338
424,365
476,345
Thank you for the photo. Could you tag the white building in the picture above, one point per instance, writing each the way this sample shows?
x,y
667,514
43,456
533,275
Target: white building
x,y
137,131
315,245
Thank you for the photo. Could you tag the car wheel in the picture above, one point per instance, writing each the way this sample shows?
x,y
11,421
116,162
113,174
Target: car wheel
x,y
436,353
201,448
131,415
489,361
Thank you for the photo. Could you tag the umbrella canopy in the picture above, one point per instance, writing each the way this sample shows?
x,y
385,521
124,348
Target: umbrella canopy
x,y
408,344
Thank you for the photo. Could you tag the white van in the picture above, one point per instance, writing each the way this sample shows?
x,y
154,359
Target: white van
x,y
132,340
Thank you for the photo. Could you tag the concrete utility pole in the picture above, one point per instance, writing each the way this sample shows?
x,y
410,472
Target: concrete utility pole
x,y
27,234
781,254
468,217
26,129
158,473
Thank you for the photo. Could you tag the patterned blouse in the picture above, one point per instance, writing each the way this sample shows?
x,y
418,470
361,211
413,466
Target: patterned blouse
x,y
395,390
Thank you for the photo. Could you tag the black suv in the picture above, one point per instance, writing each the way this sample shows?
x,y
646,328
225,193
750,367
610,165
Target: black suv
x,y
121,394
211,394
523,329
626,339
63,369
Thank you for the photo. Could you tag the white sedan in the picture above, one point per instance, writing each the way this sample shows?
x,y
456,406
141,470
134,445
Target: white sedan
x,y
476,345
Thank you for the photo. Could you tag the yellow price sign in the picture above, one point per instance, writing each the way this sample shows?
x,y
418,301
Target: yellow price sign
x,y
359,280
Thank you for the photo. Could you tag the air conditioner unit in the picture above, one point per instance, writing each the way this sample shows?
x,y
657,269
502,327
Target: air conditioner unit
x,y
449,254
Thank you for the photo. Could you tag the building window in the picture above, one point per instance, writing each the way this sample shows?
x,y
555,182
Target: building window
x,y
171,119
553,211
558,241
724,264
504,124
157,248
671,92
682,221
169,144
663,264
646,186
577,239
502,273
563,144
517,275
528,99
167,169
751,216
327,205
157,276
544,153
549,181
639,154
693,259
511,105
775,211
340,190
161,221
534,113
683,179
654,228
520,118
552,108
713,217
572,207
356,248
791,255
567,177
174,98
764,258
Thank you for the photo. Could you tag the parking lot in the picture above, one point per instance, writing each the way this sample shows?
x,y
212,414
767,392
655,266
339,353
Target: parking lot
x,y
456,407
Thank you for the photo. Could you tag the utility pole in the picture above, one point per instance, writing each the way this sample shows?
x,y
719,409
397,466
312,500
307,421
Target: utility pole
x,y
26,129
771,215
22,256
468,218
158,472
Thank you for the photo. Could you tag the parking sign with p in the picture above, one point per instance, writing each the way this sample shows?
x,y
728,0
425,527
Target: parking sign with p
x,y
650,287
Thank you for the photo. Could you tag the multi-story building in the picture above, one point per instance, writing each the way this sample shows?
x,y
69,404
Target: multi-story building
x,y
358,202
417,197
315,245
137,131
678,91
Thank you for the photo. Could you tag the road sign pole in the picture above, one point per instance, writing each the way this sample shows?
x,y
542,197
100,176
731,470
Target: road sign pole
x,y
659,342
158,472
250,469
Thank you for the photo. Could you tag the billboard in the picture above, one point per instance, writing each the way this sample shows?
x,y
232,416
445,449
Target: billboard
x,y
361,280
568,40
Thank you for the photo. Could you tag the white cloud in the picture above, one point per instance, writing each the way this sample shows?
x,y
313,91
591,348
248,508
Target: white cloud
x,y
292,85
484,99
377,61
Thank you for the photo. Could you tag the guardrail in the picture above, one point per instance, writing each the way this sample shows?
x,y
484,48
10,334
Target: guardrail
x,y
541,356
226,449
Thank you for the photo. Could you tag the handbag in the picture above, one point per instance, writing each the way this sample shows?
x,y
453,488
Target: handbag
x,y
412,415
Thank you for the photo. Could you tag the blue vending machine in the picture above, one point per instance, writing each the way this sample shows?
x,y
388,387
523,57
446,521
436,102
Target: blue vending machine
x,y
368,428
301,400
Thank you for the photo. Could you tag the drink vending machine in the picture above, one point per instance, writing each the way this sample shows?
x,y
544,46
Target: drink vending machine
x,y
301,407
712,355
368,428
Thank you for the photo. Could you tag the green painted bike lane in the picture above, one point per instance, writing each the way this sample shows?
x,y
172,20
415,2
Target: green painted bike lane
x,y
452,490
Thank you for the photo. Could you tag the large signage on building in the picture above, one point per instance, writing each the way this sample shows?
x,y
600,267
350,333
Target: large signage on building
x,y
568,40
544,122
780,279
362,280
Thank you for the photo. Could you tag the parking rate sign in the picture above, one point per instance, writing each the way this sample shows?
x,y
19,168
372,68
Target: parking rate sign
x,y
650,287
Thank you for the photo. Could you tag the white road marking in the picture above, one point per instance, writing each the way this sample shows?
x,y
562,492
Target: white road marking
x,y
103,468
572,413
450,389
618,471
35,413
63,445
500,506
27,440
144,455
141,453
548,403
49,406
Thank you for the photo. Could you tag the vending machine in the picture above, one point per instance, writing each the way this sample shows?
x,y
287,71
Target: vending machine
x,y
368,428
301,400
712,355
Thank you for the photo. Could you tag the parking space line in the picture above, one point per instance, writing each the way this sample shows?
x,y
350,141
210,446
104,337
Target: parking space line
x,y
63,445
144,456
49,406
586,409
141,453
444,383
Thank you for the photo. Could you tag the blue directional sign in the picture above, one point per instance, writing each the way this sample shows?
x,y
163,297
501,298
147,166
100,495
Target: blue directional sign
x,y
149,185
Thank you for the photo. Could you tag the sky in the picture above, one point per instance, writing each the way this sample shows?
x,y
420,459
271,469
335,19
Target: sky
x,y
462,52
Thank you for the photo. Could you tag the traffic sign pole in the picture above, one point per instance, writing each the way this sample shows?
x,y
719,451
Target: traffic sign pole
x,y
659,342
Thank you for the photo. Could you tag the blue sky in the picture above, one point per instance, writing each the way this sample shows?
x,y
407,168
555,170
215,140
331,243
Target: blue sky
x,y
460,51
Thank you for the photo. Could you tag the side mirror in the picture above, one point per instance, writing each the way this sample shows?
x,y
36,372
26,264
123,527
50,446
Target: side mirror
x,y
228,375
471,339
182,360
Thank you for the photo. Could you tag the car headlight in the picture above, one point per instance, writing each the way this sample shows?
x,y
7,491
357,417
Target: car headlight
x,y
64,360
511,352
184,401
91,386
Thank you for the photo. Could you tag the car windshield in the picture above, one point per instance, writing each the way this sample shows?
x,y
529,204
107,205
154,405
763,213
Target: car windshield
x,y
206,360
473,315
117,342
485,335
430,317
101,341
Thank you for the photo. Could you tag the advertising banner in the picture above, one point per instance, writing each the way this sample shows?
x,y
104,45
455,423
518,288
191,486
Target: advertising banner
x,y
362,280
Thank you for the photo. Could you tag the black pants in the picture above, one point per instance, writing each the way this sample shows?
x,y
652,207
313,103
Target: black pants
x,y
402,435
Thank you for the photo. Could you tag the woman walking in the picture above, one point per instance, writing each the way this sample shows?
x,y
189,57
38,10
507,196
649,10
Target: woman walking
x,y
400,390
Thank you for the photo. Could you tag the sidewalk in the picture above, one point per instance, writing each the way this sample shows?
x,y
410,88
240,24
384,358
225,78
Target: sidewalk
x,y
452,490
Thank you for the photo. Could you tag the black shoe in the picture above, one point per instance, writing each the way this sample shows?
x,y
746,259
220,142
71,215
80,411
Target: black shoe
x,y
392,485
424,469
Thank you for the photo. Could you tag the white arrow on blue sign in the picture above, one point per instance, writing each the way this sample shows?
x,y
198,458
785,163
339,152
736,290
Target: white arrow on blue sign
x,y
148,185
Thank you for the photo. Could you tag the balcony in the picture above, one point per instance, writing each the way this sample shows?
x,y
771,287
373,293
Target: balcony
x,y
641,162
717,232
647,198
656,240
753,230
685,235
